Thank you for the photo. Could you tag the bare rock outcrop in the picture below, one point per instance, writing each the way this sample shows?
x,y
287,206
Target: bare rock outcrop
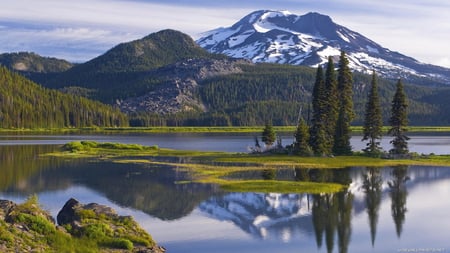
x,y
177,92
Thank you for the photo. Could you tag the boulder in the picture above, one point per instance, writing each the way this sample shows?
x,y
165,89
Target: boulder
x,y
6,207
80,217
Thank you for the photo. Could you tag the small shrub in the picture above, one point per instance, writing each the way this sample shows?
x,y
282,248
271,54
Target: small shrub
x,y
117,243
97,231
73,146
31,204
86,214
61,242
5,235
36,223
89,144
140,240
109,145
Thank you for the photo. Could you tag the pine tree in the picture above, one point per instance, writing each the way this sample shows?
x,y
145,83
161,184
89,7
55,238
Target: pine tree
x,y
268,135
373,121
301,145
399,121
331,104
345,83
318,125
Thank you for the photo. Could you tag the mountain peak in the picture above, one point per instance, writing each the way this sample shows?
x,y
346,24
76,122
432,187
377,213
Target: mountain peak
x,y
316,16
152,51
286,38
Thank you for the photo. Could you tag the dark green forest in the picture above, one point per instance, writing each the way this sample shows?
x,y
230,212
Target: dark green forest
x,y
278,92
24,104
256,94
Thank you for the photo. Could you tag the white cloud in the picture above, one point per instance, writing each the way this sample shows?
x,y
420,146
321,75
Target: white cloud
x,y
42,25
413,27
443,61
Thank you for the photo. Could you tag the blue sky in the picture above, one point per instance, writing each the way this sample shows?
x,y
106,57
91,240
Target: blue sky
x,y
83,29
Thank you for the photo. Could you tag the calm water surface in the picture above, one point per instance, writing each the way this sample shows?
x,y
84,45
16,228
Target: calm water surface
x,y
438,143
391,209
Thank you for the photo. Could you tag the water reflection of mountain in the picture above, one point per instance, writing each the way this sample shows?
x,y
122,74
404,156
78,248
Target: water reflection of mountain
x,y
263,215
327,216
149,188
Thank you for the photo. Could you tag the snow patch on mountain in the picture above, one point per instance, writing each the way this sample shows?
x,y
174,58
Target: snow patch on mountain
x,y
343,37
286,38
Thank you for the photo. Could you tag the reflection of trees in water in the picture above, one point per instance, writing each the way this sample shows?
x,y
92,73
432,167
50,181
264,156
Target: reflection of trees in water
x,y
151,189
332,213
372,183
19,162
268,174
398,194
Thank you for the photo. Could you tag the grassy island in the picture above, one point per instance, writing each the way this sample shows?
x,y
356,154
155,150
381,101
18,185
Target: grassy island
x,y
214,167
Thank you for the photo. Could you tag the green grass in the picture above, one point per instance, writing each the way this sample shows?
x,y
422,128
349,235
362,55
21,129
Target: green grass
x,y
331,162
268,186
201,165
95,233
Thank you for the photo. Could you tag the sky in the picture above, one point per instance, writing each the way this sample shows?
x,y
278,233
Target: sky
x,y
84,29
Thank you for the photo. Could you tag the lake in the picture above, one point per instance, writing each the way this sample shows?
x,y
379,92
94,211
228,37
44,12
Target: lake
x,y
392,209
438,143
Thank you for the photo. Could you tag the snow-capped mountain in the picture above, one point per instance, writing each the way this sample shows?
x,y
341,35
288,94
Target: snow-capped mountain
x,y
286,38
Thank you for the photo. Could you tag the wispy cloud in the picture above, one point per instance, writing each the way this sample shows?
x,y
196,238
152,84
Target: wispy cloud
x,y
417,28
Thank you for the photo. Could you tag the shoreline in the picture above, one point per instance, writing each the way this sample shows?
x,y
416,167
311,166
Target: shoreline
x,y
214,167
237,129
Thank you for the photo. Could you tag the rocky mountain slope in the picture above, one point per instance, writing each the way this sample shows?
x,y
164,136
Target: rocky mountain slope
x,y
283,37
181,80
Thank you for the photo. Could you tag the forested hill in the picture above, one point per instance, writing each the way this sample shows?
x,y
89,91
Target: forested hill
x,y
32,63
122,71
24,104
166,79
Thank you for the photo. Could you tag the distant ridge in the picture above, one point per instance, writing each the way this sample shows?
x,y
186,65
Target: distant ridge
x,y
31,62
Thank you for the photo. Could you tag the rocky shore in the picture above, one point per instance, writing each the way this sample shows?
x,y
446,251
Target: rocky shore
x,y
80,228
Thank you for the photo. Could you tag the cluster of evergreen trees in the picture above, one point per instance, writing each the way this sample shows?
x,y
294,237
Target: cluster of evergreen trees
x,y
276,92
24,104
332,113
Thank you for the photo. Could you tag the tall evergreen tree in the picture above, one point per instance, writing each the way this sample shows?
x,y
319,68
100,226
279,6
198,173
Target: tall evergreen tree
x,y
345,84
268,135
373,121
301,144
331,104
318,125
399,121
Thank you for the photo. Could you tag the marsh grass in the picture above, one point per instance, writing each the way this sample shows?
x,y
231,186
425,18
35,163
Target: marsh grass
x,y
325,162
268,186
213,167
